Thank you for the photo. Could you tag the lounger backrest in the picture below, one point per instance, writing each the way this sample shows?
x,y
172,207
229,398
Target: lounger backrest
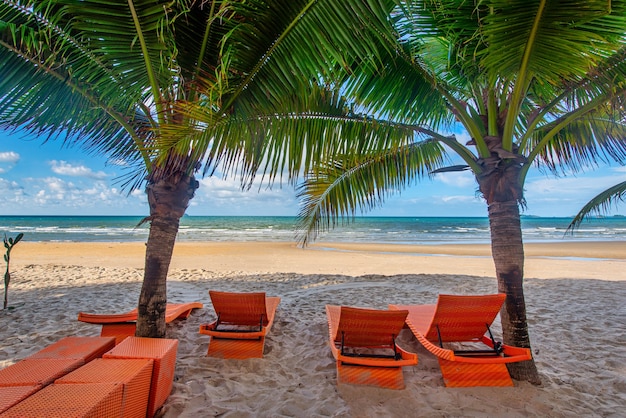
x,y
464,318
239,308
369,327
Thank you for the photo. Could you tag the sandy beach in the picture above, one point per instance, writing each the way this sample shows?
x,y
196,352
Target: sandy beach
x,y
575,295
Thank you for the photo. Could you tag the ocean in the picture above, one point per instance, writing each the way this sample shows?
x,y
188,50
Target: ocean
x,y
396,230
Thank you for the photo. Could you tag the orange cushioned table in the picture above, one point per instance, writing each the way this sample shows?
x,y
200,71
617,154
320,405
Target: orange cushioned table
x,y
83,348
22,379
11,395
89,400
134,375
163,352
37,371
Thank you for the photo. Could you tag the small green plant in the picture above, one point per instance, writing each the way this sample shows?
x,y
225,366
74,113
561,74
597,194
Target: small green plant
x,y
8,244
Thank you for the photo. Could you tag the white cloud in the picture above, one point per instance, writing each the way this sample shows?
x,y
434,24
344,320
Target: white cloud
x,y
118,162
462,179
55,196
566,196
217,196
66,169
9,189
9,157
460,199
462,137
569,187
57,185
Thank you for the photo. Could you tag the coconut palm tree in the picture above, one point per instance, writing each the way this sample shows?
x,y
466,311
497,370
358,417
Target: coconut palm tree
x,y
105,75
534,83
108,76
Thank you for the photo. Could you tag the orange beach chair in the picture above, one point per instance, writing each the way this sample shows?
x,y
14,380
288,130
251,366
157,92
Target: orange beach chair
x,y
363,344
243,321
464,319
123,325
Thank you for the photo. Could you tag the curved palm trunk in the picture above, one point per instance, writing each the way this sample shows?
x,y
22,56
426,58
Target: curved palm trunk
x,y
168,199
502,190
507,251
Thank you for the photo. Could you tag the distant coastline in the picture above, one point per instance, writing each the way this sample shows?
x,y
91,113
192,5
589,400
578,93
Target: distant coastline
x,y
385,230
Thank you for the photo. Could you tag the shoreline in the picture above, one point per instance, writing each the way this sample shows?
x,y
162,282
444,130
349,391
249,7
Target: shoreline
x,y
590,260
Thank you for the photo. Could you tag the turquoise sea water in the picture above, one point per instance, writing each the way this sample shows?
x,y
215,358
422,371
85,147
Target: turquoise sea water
x,y
405,230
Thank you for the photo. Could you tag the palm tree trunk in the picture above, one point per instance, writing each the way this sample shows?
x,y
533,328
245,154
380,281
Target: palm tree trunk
x,y
168,199
507,250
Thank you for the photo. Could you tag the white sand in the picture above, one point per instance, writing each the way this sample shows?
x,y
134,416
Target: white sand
x,y
577,324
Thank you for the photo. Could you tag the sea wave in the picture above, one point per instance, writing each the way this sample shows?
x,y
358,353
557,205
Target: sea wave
x,y
408,230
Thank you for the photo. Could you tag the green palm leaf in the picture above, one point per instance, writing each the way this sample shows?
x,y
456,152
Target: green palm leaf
x,y
584,142
599,204
337,189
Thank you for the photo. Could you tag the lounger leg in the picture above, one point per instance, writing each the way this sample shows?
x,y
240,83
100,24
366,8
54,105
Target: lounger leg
x,y
457,374
385,377
236,349
185,314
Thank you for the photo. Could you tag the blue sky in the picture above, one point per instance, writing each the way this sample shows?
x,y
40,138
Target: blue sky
x,y
47,179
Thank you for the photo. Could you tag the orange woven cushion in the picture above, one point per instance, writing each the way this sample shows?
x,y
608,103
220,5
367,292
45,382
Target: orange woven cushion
x,y
31,372
11,395
134,374
66,401
163,352
84,348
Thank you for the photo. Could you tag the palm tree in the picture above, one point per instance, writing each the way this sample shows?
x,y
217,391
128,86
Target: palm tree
x,y
106,75
110,77
537,82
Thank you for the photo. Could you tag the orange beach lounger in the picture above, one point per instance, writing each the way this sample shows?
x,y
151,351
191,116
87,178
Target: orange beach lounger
x,y
464,319
363,344
243,321
123,325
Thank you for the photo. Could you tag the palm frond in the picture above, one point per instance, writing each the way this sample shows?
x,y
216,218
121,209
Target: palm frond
x,y
302,131
100,74
336,189
403,91
288,41
599,204
55,80
587,141
556,39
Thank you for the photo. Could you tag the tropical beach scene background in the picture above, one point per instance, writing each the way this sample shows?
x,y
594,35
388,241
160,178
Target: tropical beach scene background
x,y
440,125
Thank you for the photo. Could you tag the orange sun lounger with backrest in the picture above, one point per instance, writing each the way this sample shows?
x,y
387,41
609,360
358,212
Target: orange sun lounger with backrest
x,y
123,325
243,321
363,343
464,319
